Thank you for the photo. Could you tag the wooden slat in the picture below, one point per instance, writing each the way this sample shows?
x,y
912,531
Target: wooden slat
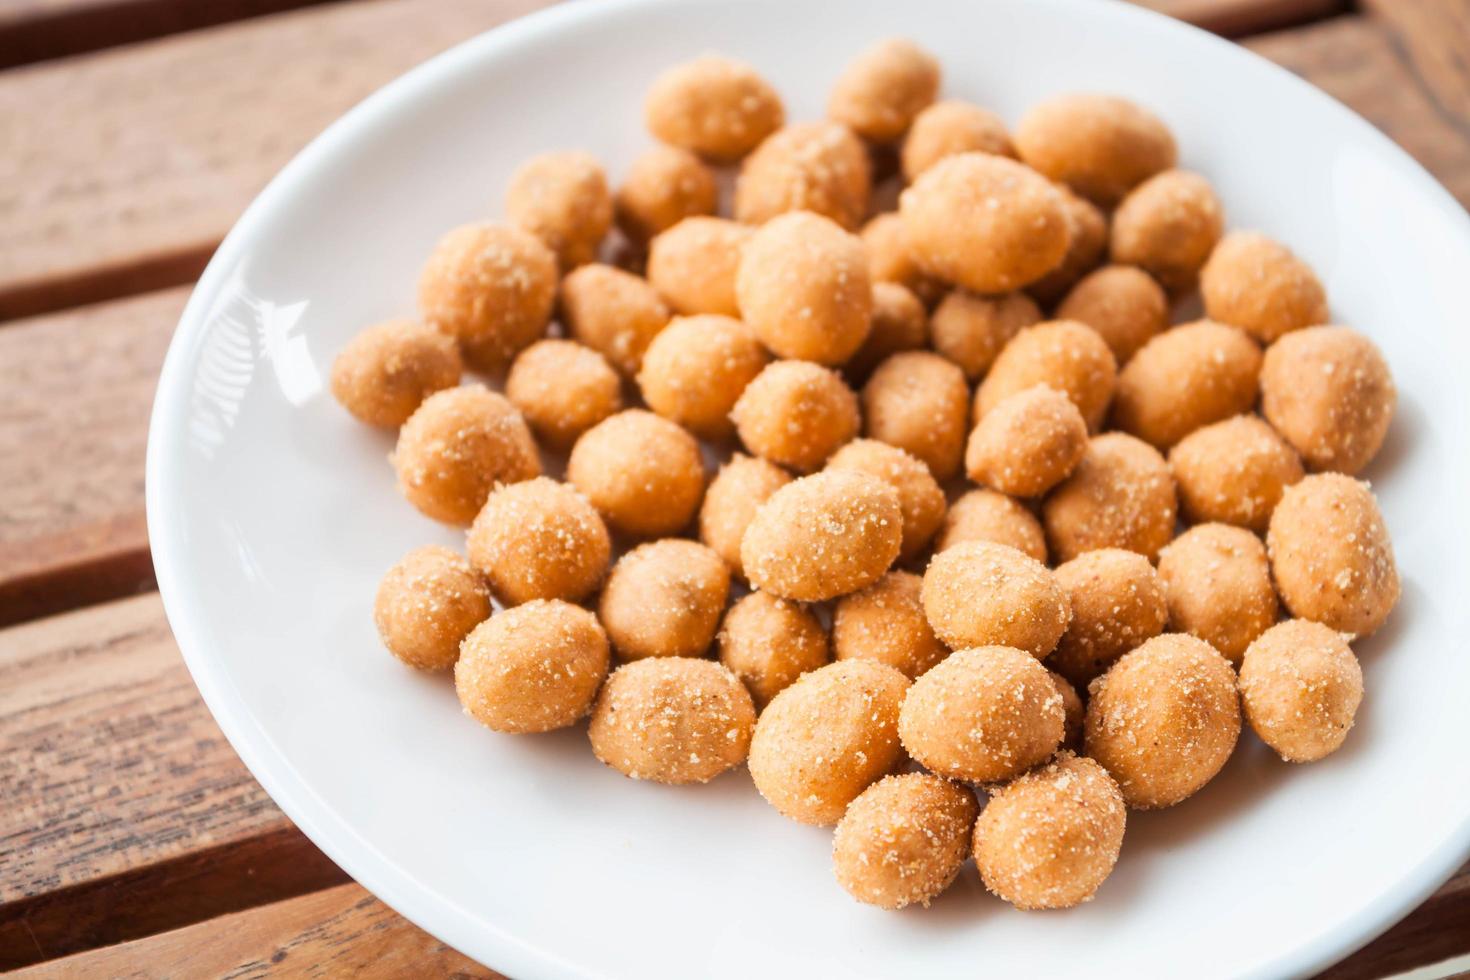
x,y
1438,930
1433,36
339,932
1357,60
1238,18
33,30
73,426
122,170
125,810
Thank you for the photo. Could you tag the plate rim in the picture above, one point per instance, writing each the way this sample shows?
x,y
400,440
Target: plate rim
x,y
327,829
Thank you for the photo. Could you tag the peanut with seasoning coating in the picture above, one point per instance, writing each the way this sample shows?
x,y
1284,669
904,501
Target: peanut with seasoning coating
x,y
1117,603
386,372
1120,496
823,536
889,259
1123,304
664,599
730,503
984,222
948,128
803,287
899,323
673,720
562,389
714,106
1167,226
1067,355
885,622
663,186
1184,379
880,91
1259,285
490,286
1331,557
1328,391
1300,687
534,668
796,414
1087,246
814,166
644,474
985,515
984,715
1074,711
984,594
919,497
613,312
1051,838
1164,720
919,402
826,738
426,604
1027,443
1218,584
1101,146
693,265
903,840
562,199
456,447
696,369
769,642
539,539
972,330
1233,472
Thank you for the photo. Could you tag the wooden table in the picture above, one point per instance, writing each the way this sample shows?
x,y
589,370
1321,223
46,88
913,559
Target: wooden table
x,y
132,133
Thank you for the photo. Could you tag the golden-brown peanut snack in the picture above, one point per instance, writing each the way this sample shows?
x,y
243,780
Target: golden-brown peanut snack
x,y
1331,557
984,222
1328,391
1120,496
984,715
456,447
813,166
1051,838
672,720
386,372
1102,146
823,536
426,604
539,539
534,668
490,286
643,473
826,738
1164,720
903,840
714,106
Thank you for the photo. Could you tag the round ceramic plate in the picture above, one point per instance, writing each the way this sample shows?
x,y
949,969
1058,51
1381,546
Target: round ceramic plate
x,y
273,514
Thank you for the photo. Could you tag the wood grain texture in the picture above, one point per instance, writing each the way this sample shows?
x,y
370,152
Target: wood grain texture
x,y
1433,38
73,428
1238,18
34,30
1356,60
126,812
338,932
122,170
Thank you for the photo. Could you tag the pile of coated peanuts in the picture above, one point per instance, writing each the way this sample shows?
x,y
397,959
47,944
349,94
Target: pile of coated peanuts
x,y
1005,528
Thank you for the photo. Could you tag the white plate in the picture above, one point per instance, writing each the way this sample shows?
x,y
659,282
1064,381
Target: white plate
x,y
272,515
